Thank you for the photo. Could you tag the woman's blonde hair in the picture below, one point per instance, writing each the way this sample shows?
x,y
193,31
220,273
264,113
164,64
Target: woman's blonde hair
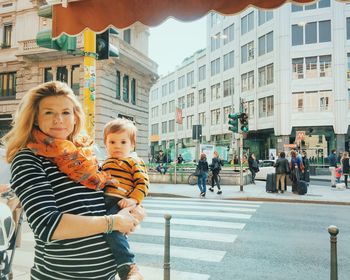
x,y
24,121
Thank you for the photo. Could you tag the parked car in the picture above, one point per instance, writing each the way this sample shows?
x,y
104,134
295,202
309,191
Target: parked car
x,y
265,167
4,168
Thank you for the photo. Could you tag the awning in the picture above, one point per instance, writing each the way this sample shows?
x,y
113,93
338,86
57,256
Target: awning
x,y
98,15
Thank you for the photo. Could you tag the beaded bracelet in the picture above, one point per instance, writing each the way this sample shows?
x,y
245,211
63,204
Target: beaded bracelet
x,y
110,223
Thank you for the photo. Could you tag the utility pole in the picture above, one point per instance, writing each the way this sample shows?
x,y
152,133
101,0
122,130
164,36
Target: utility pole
x,y
241,161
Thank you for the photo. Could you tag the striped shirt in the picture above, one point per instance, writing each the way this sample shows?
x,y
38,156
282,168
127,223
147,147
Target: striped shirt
x,y
46,194
131,173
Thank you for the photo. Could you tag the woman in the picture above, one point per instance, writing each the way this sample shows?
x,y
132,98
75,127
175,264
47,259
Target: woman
x,y
296,168
306,163
253,166
68,219
202,171
282,169
215,167
345,167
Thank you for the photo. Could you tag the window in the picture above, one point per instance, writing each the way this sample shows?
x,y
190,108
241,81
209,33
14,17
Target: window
x,y
229,88
264,16
312,101
133,91
117,92
324,4
201,96
190,100
164,90
181,82
171,125
62,74
201,118
324,100
75,79
266,107
171,86
201,73
189,122
154,94
229,34
215,92
190,78
251,109
311,67
298,68
8,85
321,4
324,28
48,75
247,23
126,88
172,106
266,43
127,35
266,75
229,60
247,52
154,112
325,66
215,42
181,102
215,67
7,36
311,33
154,129
297,35
227,110
348,28
247,81
164,108
215,117
164,127
310,7
214,19
270,106
296,8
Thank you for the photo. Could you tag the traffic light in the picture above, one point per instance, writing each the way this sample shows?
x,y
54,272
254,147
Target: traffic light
x,y
44,37
233,122
104,49
243,118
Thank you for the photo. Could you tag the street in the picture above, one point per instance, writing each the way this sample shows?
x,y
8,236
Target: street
x,y
213,239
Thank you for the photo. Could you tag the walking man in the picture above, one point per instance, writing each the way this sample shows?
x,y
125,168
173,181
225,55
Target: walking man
x,y
332,166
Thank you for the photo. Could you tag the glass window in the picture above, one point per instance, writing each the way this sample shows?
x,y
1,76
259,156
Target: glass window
x,y
215,67
7,36
126,88
190,78
325,66
172,106
201,118
133,91
311,33
164,108
181,82
324,3
202,73
311,67
348,28
155,129
298,68
164,127
244,25
269,106
229,34
127,35
75,79
190,100
171,86
48,75
270,75
324,31
297,35
297,8
262,76
310,7
262,45
164,90
269,42
215,116
171,125
244,54
117,84
262,107
229,87
228,60
8,85
62,74
201,96
215,92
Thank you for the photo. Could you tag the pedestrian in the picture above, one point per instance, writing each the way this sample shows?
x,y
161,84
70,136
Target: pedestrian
x,y
180,159
162,161
119,137
282,169
332,166
253,166
306,163
296,168
202,171
64,215
345,162
235,160
215,167
338,172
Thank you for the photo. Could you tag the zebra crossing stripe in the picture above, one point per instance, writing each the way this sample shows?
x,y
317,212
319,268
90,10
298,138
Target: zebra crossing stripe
x,y
202,202
195,213
194,235
207,208
190,222
222,201
151,273
178,252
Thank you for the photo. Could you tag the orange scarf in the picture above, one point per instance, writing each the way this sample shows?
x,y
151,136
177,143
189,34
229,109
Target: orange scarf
x,y
74,160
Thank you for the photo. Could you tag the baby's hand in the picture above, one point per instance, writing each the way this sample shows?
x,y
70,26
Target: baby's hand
x,y
127,202
4,188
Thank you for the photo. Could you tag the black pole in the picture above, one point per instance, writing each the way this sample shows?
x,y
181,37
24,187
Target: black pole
x,y
166,265
333,231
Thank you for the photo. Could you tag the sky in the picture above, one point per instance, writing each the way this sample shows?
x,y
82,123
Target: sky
x,y
172,41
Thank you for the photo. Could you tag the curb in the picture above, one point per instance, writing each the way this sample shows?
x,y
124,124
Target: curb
x,y
276,200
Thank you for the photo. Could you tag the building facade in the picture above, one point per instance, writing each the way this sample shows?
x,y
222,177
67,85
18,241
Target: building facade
x,y
122,84
287,68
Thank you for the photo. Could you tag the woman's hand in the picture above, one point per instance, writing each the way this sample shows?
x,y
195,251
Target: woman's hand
x,y
128,218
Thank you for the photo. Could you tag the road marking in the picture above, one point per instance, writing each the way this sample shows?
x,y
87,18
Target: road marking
x,y
205,214
204,200
196,235
207,208
178,252
204,223
199,203
151,273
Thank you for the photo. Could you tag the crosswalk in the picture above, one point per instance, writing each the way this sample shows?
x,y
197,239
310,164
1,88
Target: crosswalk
x,y
201,230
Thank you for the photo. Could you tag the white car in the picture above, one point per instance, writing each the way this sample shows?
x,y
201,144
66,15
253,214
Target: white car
x,y
4,168
265,167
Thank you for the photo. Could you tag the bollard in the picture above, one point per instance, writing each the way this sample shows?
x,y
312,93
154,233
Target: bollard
x,y
166,265
333,231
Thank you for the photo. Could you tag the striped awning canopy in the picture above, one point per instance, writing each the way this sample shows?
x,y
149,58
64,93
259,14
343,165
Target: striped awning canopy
x,y
97,15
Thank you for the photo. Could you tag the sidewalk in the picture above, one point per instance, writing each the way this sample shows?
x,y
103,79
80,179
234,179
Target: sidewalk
x,y
316,193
